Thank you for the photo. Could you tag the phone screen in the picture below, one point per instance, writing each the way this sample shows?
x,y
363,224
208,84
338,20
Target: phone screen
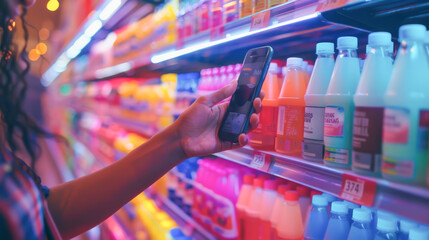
x,y
242,99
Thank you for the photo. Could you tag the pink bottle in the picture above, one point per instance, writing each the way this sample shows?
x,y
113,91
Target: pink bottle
x,y
266,207
290,226
275,214
251,221
304,201
243,202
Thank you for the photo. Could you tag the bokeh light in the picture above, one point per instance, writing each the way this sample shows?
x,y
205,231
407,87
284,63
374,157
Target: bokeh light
x,y
53,5
33,55
42,48
44,34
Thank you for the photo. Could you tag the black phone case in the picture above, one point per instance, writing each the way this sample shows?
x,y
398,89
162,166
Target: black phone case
x,y
234,137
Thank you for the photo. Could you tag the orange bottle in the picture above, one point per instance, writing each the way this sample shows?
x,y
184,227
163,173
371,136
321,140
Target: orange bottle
x,y
290,125
263,137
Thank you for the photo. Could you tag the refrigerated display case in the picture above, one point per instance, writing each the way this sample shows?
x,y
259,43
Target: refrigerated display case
x,y
122,93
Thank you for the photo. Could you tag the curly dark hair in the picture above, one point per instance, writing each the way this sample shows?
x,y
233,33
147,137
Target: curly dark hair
x,y
17,127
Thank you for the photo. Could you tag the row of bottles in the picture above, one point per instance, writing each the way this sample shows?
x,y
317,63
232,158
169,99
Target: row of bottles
x,y
375,123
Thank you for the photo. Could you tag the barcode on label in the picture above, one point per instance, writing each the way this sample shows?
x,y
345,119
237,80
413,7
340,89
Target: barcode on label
x,y
280,122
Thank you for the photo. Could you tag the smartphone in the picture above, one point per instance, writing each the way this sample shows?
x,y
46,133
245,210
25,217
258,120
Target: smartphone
x,y
240,108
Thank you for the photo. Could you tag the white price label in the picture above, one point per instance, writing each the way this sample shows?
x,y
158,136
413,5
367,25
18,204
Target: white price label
x,y
354,188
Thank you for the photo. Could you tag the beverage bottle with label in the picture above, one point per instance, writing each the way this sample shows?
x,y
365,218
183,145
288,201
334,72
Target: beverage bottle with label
x,y
263,137
252,223
276,213
419,234
304,201
230,10
339,225
406,116
369,103
404,229
339,104
246,8
312,146
243,201
267,203
290,226
318,219
361,228
290,124
216,7
386,229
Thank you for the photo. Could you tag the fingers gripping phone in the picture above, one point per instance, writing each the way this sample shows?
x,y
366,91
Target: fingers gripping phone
x,y
240,108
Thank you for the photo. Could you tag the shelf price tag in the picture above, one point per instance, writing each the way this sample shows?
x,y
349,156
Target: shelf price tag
x,y
325,5
358,190
217,33
260,20
261,161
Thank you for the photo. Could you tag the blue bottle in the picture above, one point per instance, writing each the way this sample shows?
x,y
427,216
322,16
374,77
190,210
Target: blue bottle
x,y
339,225
361,228
330,198
404,228
318,219
351,206
419,234
386,229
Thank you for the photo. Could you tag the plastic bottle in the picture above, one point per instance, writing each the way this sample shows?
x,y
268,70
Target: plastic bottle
x,y
290,125
331,198
290,226
404,229
263,137
216,7
276,213
369,105
339,225
351,206
252,223
386,229
312,147
339,104
361,228
230,10
419,234
318,219
243,201
405,123
304,201
268,199
259,5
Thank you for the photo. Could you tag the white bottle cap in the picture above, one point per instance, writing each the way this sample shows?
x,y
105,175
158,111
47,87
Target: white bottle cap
x,y
415,32
330,197
379,39
386,224
361,215
339,207
418,234
347,42
325,47
294,62
427,37
406,225
274,68
319,200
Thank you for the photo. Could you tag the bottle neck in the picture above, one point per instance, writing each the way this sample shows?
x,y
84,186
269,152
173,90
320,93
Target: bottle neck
x,y
347,53
380,51
325,55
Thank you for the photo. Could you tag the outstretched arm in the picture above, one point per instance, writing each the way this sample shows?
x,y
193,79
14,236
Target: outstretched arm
x,y
81,204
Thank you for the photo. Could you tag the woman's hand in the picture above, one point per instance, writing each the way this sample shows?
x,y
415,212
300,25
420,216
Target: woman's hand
x,y
198,126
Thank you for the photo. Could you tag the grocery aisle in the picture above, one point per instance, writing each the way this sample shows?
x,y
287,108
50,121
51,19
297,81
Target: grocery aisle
x,y
341,149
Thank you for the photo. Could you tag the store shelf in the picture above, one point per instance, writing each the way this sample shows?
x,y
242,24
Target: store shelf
x,y
186,222
405,200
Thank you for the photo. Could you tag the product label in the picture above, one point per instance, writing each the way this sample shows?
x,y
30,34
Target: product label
x,y
312,150
396,125
291,119
313,123
259,5
272,3
261,161
337,155
367,133
423,131
334,121
395,167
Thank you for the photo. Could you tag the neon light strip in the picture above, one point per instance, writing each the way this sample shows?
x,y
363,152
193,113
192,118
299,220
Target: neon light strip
x,y
173,54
